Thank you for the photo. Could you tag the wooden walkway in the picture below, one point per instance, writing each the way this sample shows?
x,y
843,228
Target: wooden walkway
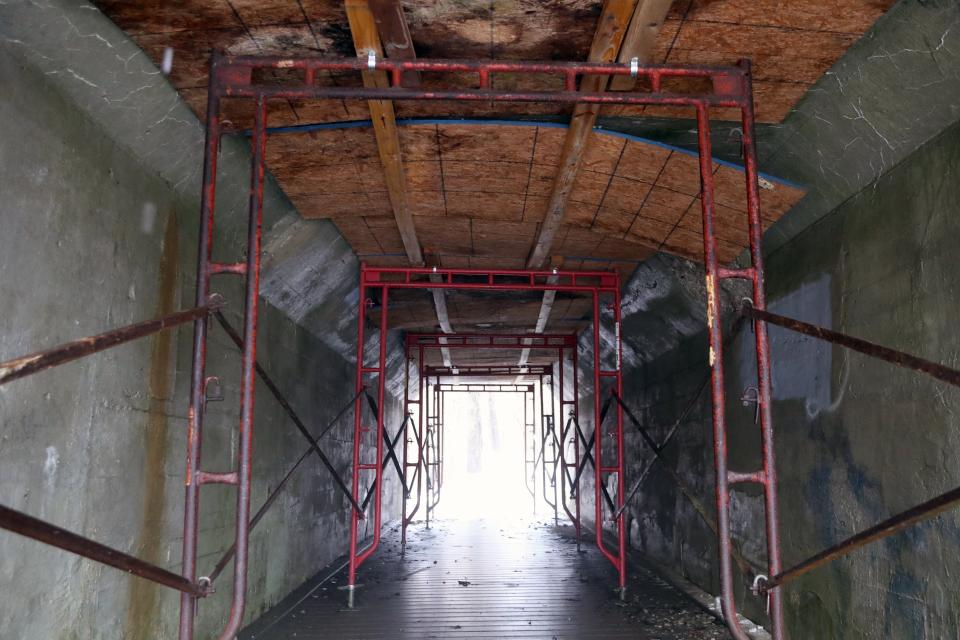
x,y
485,579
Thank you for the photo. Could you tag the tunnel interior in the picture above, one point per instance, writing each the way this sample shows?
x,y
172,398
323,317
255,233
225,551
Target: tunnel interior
x,y
409,319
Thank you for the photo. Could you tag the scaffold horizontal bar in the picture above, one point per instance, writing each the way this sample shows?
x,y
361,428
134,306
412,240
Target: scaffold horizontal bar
x,y
227,477
508,340
899,358
27,365
880,531
234,77
490,371
36,529
486,388
736,477
236,268
748,273
491,280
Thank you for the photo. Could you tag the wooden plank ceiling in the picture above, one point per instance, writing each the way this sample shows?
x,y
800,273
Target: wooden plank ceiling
x,y
475,194
791,42
478,193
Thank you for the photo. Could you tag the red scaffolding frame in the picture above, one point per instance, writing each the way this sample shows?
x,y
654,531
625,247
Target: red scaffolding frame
x,y
596,284
561,343
235,77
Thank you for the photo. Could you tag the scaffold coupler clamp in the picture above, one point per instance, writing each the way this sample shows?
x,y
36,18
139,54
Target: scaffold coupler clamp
x,y
758,586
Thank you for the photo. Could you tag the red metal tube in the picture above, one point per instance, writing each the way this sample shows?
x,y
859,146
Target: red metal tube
x,y
406,453
716,363
564,422
576,440
898,358
248,374
357,444
727,603
417,466
506,371
441,420
617,514
556,446
358,558
314,92
491,66
35,362
198,369
529,454
751,175
381,397
483,340
598,435
36,529
421,467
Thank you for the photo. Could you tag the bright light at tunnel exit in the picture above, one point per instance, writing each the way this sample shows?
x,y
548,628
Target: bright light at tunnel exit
x,y
484,470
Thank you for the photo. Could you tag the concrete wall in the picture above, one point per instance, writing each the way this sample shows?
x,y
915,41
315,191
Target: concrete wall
x,y
95,238
857,440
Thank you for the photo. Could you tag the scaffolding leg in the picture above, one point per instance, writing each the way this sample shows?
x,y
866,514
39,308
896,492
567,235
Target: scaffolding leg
x,y
724,477
619,557
415,425
241,476
530,447
357,557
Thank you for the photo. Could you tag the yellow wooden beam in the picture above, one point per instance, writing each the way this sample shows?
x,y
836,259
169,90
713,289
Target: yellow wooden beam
x,y
611,29
619,36
641,38
367,39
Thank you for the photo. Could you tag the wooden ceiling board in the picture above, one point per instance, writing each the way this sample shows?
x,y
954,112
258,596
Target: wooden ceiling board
x,y
841,16
489,176
170,16
616,221
485,205
792,43
624,194
648,231
492,191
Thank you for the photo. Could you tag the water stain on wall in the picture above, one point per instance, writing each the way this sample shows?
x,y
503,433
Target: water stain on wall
x,y
143,594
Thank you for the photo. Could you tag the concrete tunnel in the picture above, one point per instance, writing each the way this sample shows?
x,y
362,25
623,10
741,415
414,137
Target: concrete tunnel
x,y
386,319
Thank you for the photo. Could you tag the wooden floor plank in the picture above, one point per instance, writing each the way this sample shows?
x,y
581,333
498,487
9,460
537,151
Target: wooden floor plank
x,y
487,579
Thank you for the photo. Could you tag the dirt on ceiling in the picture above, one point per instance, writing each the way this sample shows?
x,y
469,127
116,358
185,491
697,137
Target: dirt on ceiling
x,y
792,43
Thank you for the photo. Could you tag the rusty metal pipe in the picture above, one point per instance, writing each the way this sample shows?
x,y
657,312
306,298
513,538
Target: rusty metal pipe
x,y
247,374
191,507
887,528
68,352
899,358
36,529
718,396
